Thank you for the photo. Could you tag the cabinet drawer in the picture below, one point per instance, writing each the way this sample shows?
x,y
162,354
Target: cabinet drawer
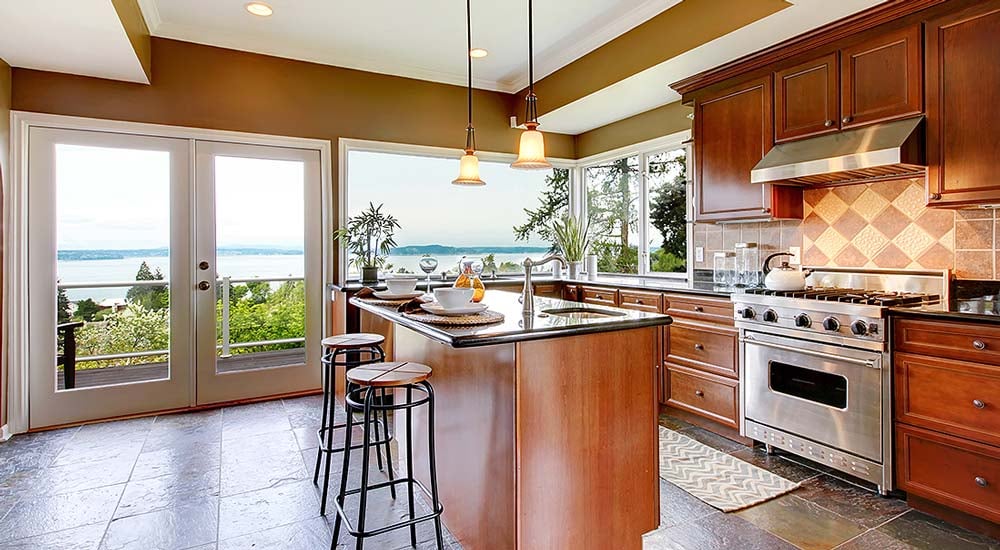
x,y
702,347
706,395
641,301
571,293
967,341
950,396
949,470
705,309
598,295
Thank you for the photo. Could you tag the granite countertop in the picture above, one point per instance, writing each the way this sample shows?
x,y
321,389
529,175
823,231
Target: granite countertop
x,y
656,284
516,328
954,310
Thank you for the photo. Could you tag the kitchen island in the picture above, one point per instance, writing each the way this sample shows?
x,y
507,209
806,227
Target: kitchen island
x,y
546,425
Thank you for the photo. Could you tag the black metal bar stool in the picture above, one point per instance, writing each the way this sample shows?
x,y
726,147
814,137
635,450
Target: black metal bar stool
x,y
389,376
349,351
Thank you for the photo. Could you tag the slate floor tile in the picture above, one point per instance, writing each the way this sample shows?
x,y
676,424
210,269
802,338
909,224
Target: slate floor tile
x,y
876,540
87,537
183,460
857,504
267,508
148,495
176,528
36,516
677,506
68,478
925,532
713,440
775,464
715,532
241,474
802,523
303,535
259,445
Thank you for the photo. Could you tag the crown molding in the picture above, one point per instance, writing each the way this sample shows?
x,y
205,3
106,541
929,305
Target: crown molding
x,y
554,58
190,33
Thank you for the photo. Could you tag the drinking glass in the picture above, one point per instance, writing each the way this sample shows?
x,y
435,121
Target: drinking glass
x,y
428,265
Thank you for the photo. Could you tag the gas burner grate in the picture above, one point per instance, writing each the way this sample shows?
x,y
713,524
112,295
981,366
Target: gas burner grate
x,y
851,296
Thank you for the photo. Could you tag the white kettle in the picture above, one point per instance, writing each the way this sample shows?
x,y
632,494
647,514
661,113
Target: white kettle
x,y
784,277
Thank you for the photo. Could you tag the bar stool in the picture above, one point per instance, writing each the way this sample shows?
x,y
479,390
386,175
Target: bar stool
x,y
349,351
389,376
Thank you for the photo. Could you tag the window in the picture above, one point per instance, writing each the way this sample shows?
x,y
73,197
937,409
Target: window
x,y
502,223
637,208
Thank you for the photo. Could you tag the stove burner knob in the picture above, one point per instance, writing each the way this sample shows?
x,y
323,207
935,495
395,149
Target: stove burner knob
x,y
747,313
859,327
832,324
803,321
771,316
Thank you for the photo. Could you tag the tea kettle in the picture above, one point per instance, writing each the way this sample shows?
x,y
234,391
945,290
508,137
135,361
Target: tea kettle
x,y
784,277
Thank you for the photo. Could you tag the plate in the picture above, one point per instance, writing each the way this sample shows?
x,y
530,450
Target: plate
x,y
386,295
470,309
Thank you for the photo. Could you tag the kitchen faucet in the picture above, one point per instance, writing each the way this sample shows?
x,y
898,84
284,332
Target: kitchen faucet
x,y
528,294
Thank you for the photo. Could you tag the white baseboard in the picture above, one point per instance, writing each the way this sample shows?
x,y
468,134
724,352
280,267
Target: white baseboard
x,y
5,432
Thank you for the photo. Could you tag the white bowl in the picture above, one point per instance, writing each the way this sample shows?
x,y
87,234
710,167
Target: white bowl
x,y
452,298
401,285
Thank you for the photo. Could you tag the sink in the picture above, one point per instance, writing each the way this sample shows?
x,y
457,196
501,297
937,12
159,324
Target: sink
x,y
582,313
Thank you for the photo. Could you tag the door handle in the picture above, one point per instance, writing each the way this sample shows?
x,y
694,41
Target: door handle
x,y
204,285
862,362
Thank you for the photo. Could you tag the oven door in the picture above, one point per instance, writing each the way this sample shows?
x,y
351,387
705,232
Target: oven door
x,y
829,394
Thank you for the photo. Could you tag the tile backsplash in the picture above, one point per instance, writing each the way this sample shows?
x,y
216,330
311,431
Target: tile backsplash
x,y
883,224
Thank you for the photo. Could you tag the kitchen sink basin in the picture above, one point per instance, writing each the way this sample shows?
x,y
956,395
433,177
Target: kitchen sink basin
x,y
582,313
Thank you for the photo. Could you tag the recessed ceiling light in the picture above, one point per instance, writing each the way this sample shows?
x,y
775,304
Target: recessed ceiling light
x,y
477,53
259,9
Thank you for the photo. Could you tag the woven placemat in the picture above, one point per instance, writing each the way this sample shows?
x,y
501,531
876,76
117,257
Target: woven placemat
x,y
485,318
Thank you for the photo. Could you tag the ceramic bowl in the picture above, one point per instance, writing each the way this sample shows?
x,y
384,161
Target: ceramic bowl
x,y
451,298
401,285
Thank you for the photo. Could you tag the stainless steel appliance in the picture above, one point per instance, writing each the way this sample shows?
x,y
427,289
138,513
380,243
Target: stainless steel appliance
x,y
816,365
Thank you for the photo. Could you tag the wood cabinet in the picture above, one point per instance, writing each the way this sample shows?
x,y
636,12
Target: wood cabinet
x,y
703,394
882,78
963,89
704,347
601,296
640,300
946,377
571,293
733,130
807,100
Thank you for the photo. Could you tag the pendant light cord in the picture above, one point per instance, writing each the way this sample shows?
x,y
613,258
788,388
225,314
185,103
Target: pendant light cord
x,y
470,138
531,50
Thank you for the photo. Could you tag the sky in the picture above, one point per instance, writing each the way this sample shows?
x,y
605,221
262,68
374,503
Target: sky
x,y
120,199
419,192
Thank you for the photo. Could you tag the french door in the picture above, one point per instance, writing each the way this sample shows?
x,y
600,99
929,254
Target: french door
x,y
165,273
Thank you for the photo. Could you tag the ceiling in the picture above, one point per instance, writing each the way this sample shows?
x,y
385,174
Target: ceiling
x,y
83,37
422,39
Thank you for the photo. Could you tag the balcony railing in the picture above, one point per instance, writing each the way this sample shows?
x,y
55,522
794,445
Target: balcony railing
x,y
226,346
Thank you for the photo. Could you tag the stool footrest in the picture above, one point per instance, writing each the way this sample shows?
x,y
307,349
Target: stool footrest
x,y
382,530
322,439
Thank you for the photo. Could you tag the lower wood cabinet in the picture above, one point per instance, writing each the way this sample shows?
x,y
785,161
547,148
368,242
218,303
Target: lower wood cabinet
x,y
713,397
704,347
601,296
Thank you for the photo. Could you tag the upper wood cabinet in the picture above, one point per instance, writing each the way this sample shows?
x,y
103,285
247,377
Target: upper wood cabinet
x,y
733,129
882,78
963,90
806,100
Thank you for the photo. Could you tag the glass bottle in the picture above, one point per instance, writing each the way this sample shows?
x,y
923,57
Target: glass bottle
x,y
724,269
470,276
747,265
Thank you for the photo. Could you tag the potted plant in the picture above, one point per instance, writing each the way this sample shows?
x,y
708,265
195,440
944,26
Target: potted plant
x,y
369,237
573,241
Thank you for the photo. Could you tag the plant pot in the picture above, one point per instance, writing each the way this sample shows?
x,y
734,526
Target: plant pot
x,y
369,274
592,267
575,269
557,270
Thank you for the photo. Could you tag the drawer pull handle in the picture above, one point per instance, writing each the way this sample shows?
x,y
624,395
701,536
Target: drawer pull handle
x,y
699,347
699,309
978,403
700,393
981,481
979,345
597,297
638,302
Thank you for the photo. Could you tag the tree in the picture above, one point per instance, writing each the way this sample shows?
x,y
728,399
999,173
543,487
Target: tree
x,y
668,212
150,297
135,328
613,215
62,307
87,309
553,203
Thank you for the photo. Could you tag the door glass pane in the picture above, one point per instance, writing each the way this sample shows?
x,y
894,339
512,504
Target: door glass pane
x,y
613,211
667,231
112,260
816,386
260,289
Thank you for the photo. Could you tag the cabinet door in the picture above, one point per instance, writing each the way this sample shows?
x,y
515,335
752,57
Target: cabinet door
x,y
806,100
963,125
882,78
733,130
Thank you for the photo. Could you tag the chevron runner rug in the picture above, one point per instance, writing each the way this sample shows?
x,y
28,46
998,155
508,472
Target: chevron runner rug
x,y
718,479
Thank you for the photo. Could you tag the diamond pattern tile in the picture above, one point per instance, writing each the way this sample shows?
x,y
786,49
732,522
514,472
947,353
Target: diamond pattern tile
x,y
891,221
830,243
830,208
850,224
892,257
936,222
869,204
870,241
913,241
912,201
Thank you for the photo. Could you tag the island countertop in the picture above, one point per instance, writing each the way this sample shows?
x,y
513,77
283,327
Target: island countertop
x,y
515,327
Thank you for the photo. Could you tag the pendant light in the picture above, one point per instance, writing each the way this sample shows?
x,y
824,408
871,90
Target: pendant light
x,y
468,168
531,151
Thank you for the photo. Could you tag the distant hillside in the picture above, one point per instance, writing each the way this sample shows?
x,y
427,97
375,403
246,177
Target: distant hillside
x,y
441,250
112,254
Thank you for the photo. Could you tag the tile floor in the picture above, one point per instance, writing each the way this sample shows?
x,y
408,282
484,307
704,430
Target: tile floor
x,y
240,478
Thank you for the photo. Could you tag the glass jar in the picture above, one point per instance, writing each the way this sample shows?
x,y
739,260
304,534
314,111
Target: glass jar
x,y
747,265
724,269
470,276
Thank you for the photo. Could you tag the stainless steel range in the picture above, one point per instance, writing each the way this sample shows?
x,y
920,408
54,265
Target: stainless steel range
x,y
816,364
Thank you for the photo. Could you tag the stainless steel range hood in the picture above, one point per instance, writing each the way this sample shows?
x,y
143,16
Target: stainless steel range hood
x,y
890,150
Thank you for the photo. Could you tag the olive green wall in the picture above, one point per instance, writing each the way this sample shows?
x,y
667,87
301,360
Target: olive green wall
x,y
662,121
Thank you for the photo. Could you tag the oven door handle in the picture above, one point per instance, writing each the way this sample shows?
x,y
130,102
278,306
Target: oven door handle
x,y
862,362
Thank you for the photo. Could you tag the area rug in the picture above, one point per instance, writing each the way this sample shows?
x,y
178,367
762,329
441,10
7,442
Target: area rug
x,y
718,479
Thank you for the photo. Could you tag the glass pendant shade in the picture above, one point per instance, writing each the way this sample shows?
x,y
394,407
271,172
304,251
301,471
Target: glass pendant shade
x,y
531,152
468,171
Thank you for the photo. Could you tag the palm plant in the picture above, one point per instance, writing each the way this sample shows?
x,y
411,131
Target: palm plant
x,y
369,236
572,237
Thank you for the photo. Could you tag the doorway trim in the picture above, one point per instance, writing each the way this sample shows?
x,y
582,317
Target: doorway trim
x,y
14,363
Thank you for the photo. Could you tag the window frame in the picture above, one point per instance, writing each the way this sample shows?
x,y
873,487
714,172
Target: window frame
x,y
644,150
349,145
